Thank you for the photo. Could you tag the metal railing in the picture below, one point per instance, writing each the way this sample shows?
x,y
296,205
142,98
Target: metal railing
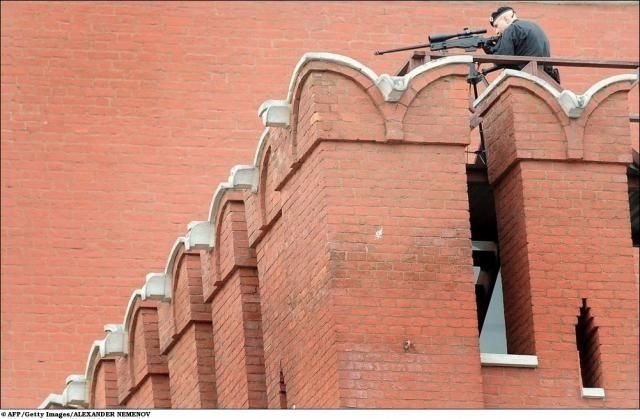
x,y
420,57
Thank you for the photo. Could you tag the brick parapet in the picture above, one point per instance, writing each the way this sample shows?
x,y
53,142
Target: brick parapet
x,y
527,121
309,234
185,338
232,289
143,372
340,269
563,221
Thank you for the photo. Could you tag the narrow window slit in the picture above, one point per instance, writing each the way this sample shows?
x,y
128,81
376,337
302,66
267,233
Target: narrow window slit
x,y
588,346
283,392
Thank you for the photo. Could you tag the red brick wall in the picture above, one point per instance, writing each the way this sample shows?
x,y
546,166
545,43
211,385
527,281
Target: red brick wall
x,y
363,284
236,312
296,301
412,281
104,389
516,284
398,247
143,380
109,107
191,368
230,343
153,392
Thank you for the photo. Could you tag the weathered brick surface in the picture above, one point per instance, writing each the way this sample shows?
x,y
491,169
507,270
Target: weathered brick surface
x,y
191,368
104,386
317,255
152,393
295,291
516,280
400,263
636,264
108,109
237,341
437,110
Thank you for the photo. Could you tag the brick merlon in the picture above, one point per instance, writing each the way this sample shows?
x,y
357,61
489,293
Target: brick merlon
x,y
277,113
572,104
242,177
112,344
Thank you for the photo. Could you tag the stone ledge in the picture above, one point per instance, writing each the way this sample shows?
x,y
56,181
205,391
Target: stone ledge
x,y
592,393
53,401
507,360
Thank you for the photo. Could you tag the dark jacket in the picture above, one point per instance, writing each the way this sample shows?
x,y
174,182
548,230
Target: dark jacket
x,y
524,38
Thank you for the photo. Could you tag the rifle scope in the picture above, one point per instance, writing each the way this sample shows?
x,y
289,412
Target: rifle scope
x,y
444,37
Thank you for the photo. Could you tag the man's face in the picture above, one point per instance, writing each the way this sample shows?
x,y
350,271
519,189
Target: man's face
x,y
502,22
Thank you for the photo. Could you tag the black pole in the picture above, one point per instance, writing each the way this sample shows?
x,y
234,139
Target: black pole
x,y
386,51
474,78
481,154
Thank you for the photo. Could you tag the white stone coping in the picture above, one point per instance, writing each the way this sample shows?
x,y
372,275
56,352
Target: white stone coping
x,y
114,341
592,393
53,400
242,177
157,286
329,57
128,314
257,159
75,392
391,87
198,235
571,103
440,62
275,113
112,344
508,360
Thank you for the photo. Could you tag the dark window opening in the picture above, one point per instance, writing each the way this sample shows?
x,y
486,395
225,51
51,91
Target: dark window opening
x,y
486,267
588,345
482,208
486,263
283,392
633,178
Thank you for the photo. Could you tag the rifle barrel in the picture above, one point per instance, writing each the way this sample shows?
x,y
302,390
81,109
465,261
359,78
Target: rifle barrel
x,y
385,51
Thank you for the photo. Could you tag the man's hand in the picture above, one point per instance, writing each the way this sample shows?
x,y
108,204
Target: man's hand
x,y
489,45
